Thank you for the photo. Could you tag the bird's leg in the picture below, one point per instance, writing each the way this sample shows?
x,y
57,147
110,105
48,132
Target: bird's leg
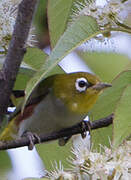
x,y
31,136
84,124
63,141
88,123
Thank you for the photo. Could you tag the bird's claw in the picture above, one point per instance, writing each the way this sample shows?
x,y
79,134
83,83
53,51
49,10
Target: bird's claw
x,y
31,136
84,124
63,141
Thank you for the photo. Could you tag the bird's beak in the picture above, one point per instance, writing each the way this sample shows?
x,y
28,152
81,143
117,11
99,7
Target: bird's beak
x,y
101,86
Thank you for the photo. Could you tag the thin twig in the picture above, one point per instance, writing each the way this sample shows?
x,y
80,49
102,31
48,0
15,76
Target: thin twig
x,y
15,53
24,141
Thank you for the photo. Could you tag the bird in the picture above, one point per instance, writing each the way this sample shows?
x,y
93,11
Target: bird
x,y
57,102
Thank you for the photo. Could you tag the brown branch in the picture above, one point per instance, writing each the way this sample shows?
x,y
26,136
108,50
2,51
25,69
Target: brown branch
x,y
15,52
24,141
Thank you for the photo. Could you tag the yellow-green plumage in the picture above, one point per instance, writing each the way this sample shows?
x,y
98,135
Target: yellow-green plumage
x,y
80,103
59,101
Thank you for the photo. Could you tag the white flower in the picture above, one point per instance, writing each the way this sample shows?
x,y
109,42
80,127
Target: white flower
x,y
104,165
87,164
107,15
8,13
7,21
59,173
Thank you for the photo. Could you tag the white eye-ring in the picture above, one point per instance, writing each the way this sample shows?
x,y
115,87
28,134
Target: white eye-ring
x,y
81,84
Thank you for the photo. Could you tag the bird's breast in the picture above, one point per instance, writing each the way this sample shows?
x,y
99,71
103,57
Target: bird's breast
x,y
50,115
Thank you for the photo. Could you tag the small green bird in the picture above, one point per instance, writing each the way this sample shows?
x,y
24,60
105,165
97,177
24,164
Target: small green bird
x,y
59,101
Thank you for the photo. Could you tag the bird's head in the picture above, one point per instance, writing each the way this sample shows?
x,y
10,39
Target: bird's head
x,y
78,91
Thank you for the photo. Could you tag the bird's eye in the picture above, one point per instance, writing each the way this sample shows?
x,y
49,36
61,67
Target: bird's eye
x,y
81,84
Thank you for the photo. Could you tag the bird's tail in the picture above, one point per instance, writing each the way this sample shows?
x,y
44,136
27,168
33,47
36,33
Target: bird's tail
x,y
10,132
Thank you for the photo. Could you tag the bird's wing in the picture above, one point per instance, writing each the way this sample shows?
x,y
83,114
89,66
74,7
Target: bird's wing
x,y
36,96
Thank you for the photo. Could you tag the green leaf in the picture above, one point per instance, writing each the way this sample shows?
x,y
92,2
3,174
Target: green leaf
x,y
35,58
81,30
122,118
107,101
106,65
58,14
27,71
5,165
21,81
24,75
106,105
40,18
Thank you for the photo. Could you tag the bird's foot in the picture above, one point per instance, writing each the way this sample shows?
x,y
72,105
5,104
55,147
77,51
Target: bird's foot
x,y
32,137
84,125
63,141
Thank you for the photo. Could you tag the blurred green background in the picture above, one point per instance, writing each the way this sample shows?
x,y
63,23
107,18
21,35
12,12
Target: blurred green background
x,y
105,65
5,165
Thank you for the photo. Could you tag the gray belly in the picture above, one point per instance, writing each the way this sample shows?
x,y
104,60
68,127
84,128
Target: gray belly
x,y
49,116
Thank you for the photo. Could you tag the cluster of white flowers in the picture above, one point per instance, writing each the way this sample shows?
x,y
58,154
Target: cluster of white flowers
x,y
7,21
107,164
104,14
8,12
110,15
59,173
